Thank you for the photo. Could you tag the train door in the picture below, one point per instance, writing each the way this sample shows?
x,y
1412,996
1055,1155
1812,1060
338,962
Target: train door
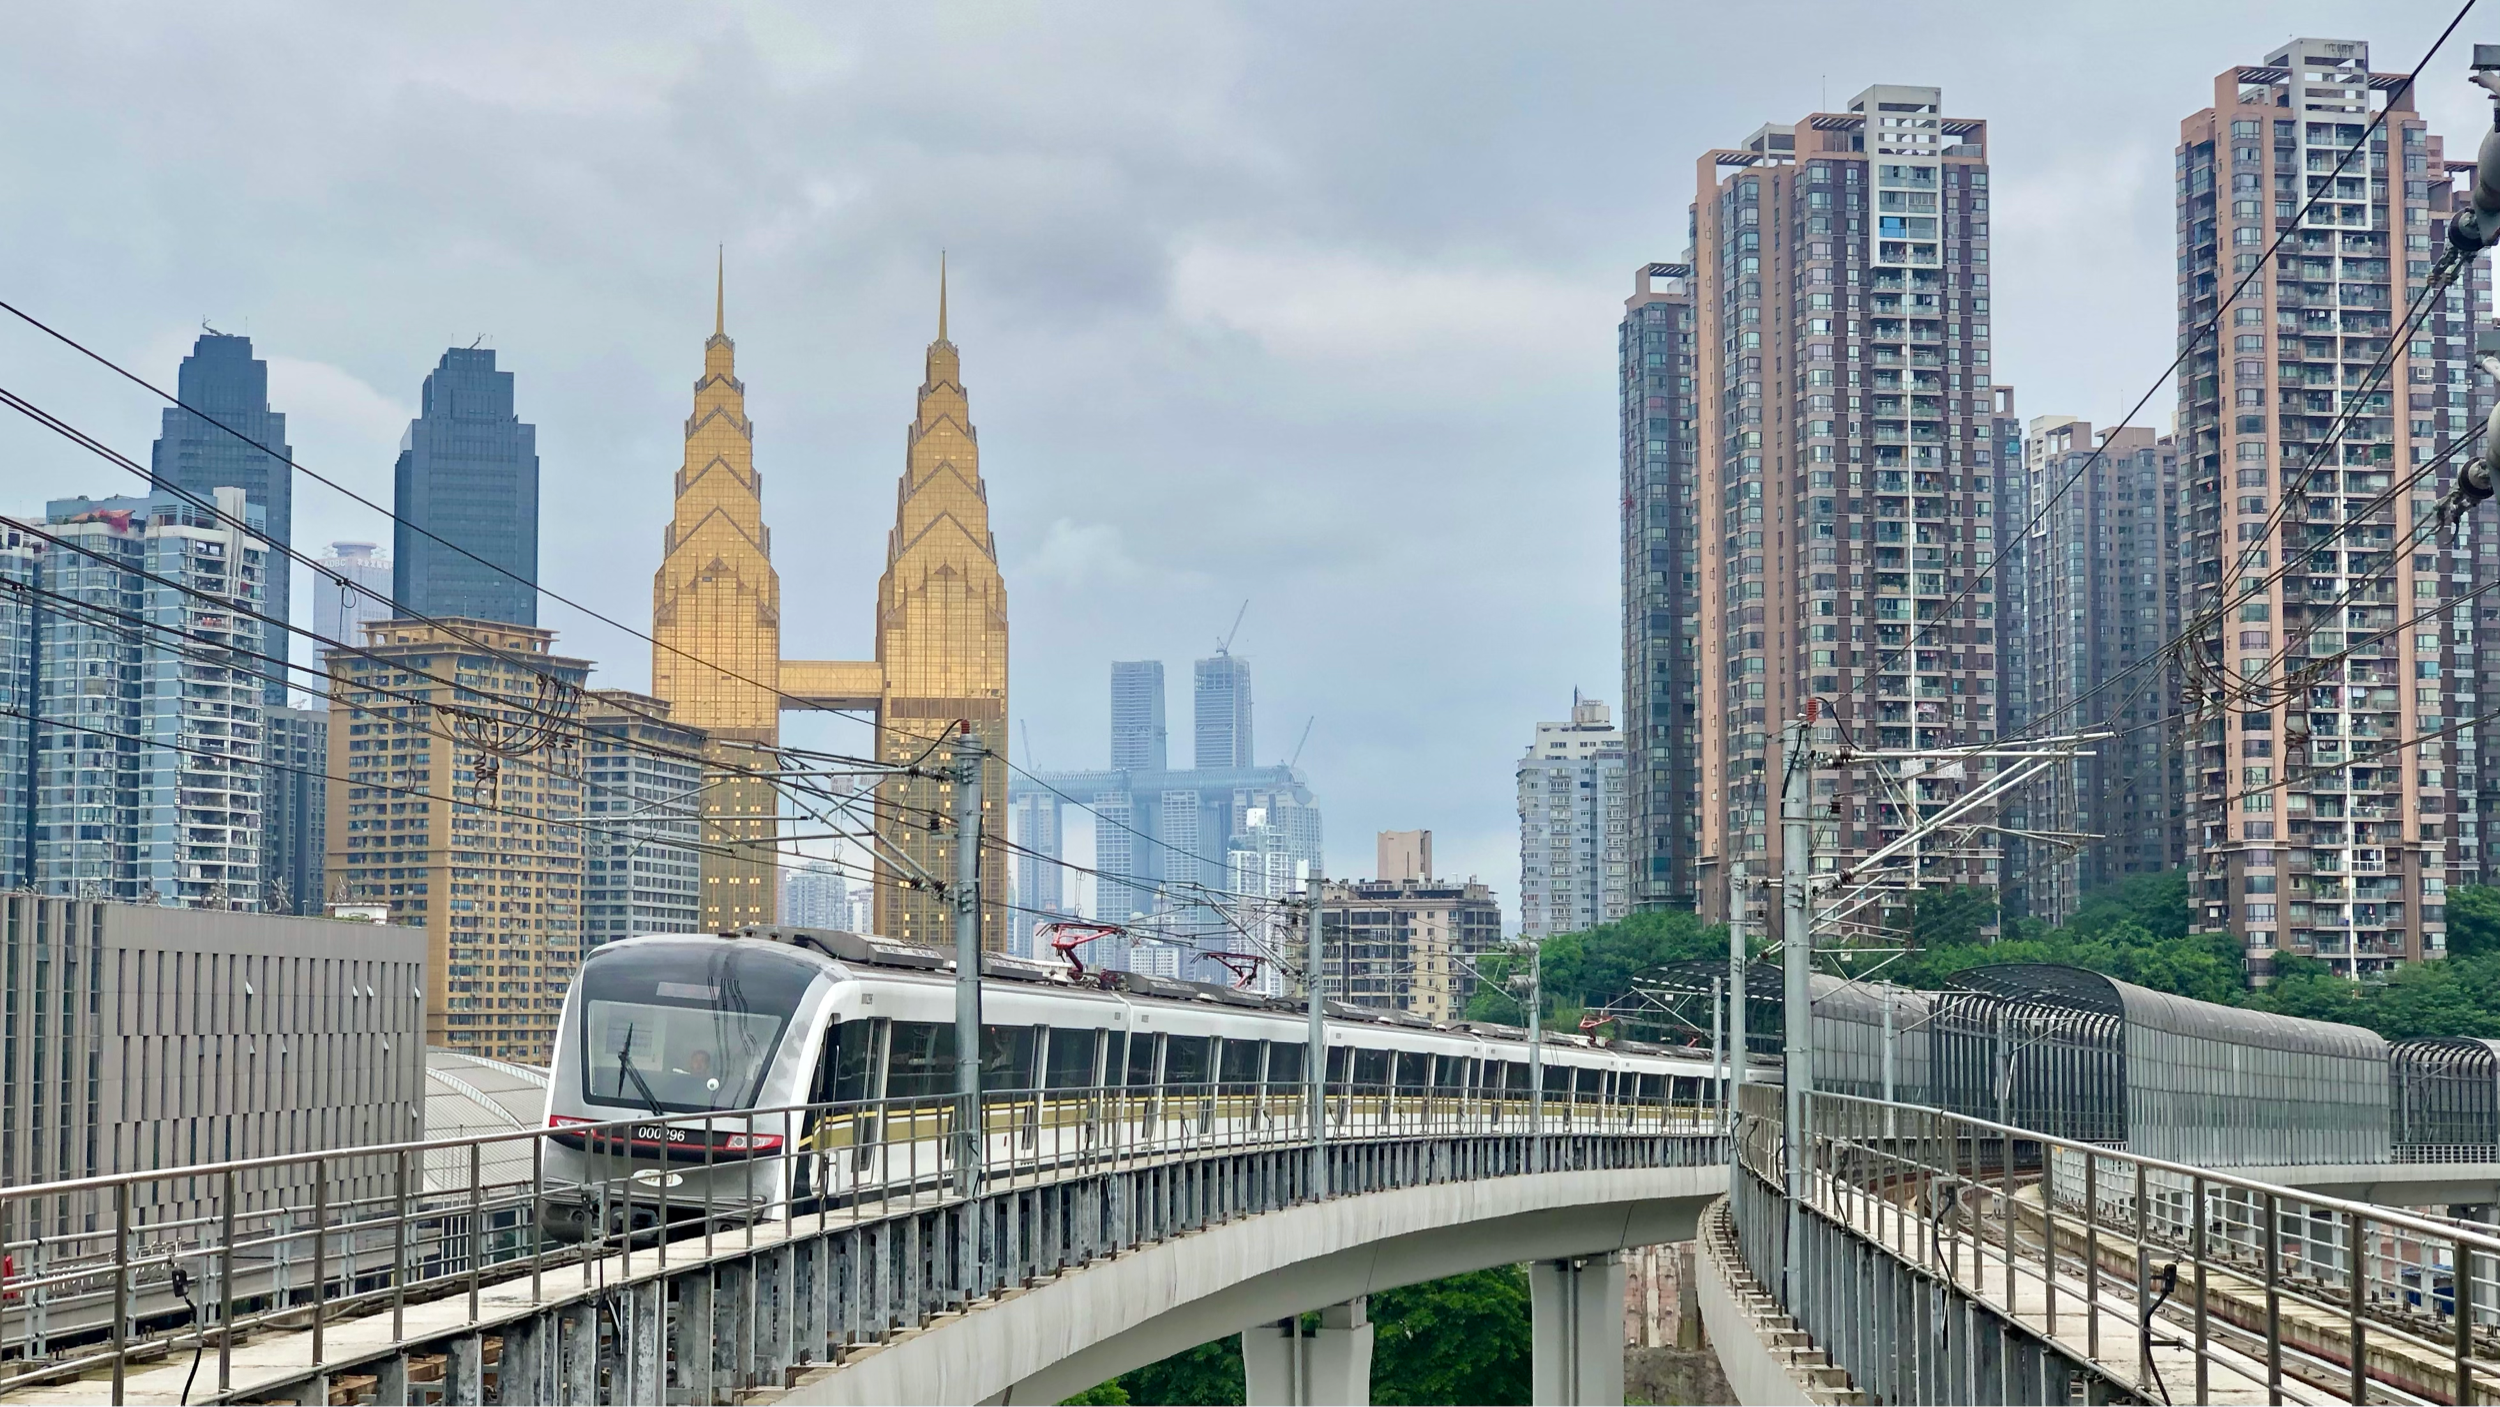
x,y
840,1114
1109,1115
1287,1085
1067,1084
1449,1089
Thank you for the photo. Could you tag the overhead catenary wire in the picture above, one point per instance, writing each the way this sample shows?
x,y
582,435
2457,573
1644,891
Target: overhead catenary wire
x,y
2169,651
454,705
781,697
2190,344
130,626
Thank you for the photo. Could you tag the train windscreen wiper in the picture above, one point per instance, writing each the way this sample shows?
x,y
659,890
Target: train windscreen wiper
x,y
625,1064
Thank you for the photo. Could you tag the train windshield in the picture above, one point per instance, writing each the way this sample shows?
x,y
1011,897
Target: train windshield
x,y
685,1028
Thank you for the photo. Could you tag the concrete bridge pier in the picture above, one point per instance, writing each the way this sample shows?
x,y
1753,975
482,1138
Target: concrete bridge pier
x,y
1284,1366
1576,1306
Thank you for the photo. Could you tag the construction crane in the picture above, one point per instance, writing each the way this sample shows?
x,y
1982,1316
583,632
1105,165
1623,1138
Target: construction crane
x,y
1225,645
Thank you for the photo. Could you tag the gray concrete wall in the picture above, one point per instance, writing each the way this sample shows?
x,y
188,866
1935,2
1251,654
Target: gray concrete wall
x,y
166,1037
1757,1375
1064,1335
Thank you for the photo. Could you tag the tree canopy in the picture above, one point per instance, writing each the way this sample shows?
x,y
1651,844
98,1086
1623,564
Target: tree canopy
x,y
1463,1339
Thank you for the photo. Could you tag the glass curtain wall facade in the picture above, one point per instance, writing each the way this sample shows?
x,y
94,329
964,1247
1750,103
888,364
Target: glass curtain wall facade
x,y
358,590
2321,643
221,384
1847,417
1661,582
1221,716
295,810
1138,735
467,475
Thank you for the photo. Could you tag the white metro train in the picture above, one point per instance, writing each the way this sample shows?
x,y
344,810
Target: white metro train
x,y
796,1067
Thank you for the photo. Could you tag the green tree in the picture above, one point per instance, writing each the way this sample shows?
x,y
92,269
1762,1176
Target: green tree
x,y
1463,1339
1596,968
2473,921
1208,1374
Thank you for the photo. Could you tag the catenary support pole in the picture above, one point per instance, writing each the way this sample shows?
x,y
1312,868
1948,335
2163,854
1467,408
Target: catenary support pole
x,y
1536,1056
1797,957
1718,1044
1315,1063
1737,992
969,1134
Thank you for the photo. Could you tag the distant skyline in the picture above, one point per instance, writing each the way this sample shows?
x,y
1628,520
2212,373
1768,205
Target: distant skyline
x,y
1309,305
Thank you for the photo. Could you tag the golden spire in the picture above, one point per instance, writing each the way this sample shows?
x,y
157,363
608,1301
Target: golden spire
x,y
716,630
720,292
941,637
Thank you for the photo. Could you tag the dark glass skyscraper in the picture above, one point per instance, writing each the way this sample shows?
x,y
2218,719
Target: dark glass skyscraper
x,y
1661,593
468,475
223,381
1137,730
1222,720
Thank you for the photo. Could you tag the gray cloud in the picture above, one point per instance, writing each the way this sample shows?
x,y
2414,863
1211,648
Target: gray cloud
x,y
1310,304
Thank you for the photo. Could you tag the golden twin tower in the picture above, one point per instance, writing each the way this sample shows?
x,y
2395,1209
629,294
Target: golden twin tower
x,y
941,646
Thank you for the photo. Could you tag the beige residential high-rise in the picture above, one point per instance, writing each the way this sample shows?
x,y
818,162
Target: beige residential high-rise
x,y
458,813
1405,855
2316,824
1848,522
1390,943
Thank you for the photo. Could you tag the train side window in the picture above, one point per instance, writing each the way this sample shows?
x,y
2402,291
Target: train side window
x,y
922,1061
1515,1079
1449,1074
1284,1064
1239,1067
1070,1064
1414,1072
1141,1059
1371,1069
1336,1065
1557,1082
1185,1060
1006,1058
1592,1086
1114,1055
1654,1089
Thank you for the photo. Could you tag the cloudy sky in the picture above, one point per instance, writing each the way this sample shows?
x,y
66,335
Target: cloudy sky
x,y
1309,305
